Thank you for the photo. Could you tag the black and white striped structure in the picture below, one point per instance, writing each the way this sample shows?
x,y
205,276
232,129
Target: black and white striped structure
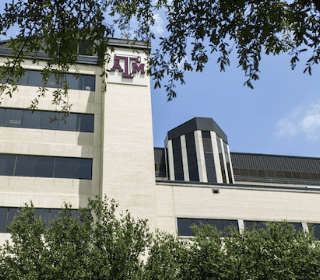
x,y
198,150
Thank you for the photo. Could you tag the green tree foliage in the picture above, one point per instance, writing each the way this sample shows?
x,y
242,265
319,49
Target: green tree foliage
x,y
194,30
279,252
108,246
100,247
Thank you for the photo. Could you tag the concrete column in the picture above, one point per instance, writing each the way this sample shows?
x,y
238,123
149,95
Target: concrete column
x,y
170,161
184,158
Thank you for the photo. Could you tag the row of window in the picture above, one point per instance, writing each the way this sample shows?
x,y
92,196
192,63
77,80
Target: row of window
x,y
46,120
276,174
184,225
48,167
34,78
7,215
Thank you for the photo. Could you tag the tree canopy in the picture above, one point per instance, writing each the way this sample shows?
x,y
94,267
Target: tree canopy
x,y
101,243
196,31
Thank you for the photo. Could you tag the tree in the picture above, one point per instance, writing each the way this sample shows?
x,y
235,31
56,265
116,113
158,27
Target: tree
x,y
95,245
195,28
278,252
100,244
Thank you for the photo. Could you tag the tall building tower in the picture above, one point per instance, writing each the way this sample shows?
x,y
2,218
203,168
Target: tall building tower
x,y
104,148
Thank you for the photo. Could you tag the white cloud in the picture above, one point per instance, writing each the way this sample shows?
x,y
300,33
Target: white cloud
x,y
303,121
158,27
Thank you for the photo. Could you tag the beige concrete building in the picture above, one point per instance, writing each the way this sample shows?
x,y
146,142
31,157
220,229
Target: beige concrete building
x,y
106,148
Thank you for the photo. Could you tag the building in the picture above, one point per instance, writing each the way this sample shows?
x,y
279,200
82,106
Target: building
x,y
106,148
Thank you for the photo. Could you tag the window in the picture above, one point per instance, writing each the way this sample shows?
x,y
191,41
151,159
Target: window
x,y
31,119
7,215
25,166
82,168
46,120
49,120
184,224
77,82
44,167
7,164
13,118
48,167
63,168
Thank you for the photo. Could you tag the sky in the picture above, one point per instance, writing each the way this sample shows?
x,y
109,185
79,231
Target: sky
x,y
281,115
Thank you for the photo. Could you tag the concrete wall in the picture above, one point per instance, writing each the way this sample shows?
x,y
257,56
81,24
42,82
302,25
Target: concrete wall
x,y
233,203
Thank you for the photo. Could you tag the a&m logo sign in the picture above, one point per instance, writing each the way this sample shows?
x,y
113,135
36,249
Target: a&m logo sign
x,y
132,65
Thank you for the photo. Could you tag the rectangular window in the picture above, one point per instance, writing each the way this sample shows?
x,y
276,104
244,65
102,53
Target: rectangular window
x,y
86,122
87,82
316,230
13,118
48,167
77,82
46,120
31,119
7,215
177,159
44,167
192,157
7,164
35,79
12,212
82,168
67,123
3,219
63,168
49,120
44,214
2,113
25,166
184,224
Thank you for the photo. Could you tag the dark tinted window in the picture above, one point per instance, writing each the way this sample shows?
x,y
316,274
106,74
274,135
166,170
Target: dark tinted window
x,y
297,226
13,118
184,227
44,214
54,214
63,168
49,120
216,223
31,119
184,224
44,167
73,82
24,79
40,166
316,229
3,218
254,224
25,166
2,113
86,123
35,79
82,168
87,82
11,214
68,123
7,164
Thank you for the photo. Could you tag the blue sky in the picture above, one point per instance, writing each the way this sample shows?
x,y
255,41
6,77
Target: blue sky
x,y
281,115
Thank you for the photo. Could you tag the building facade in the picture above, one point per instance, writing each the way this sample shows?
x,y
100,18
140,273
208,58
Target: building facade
x,y
106,148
